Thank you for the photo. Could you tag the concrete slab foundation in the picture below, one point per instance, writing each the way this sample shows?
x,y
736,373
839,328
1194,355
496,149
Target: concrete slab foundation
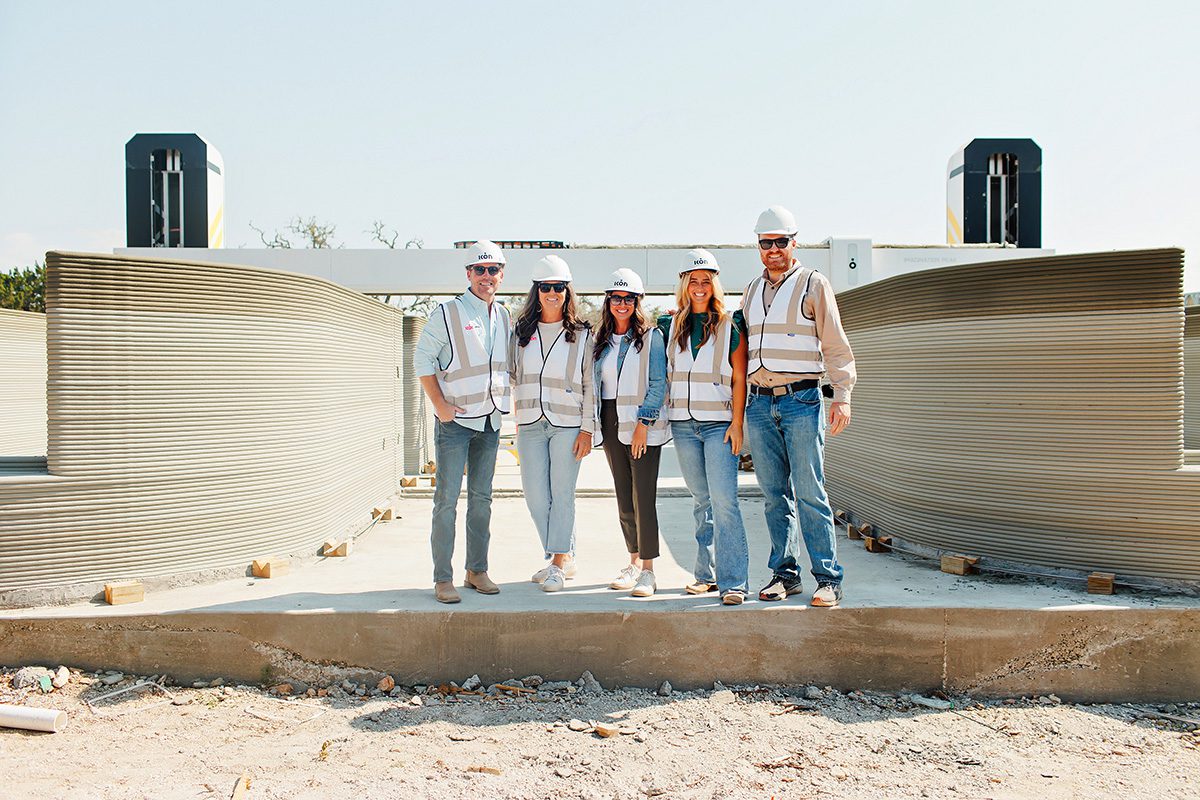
x,y
903,625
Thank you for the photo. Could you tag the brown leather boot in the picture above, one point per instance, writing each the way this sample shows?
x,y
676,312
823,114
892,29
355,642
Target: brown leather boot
x,y
480,582
445,592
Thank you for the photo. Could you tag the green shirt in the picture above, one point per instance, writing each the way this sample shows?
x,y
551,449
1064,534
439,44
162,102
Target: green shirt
x,y
664,325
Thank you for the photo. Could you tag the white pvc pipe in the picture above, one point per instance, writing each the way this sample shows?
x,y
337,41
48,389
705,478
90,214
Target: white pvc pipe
x,y
32,719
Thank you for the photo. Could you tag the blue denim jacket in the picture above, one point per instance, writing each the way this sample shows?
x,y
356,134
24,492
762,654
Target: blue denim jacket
x,y
656,390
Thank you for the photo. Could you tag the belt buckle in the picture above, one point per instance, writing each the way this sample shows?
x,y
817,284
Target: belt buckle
x,y
779,391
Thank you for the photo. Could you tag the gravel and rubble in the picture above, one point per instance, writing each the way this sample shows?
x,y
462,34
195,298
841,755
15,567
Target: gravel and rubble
x,y
528,737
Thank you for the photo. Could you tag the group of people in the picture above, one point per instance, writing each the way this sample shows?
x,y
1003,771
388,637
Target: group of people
x,y
709,379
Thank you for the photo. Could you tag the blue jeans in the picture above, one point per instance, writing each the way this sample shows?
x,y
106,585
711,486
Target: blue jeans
x,y
786,435
456,447
548,475
710,472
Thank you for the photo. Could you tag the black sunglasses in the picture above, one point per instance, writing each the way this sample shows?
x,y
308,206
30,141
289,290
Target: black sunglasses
x,y
623,299
781,242
488,270
552,287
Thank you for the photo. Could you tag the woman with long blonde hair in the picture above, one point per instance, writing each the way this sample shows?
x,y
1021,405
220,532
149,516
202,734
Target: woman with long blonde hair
x,y
706,404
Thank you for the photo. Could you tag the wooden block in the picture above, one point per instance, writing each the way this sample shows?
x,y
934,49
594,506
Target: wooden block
x,y
866,529
120,592
406,482
384,514
270,567
334,549
852,531
959,565
878,544
1101,583
429,468
839,515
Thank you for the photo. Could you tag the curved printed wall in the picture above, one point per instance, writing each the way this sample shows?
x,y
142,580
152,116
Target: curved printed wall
x,y
22,386
1027,411
200,416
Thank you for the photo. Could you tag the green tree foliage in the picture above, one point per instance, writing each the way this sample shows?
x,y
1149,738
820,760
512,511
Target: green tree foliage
x,y
24,289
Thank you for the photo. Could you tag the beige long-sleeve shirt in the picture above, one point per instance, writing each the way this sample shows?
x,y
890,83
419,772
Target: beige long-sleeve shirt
x,y
821,307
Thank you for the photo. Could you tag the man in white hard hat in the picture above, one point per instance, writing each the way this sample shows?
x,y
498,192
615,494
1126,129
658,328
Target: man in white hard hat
x,y
462,362
795,337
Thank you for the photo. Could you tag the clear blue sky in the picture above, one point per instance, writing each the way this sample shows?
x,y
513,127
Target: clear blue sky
x,y
607,122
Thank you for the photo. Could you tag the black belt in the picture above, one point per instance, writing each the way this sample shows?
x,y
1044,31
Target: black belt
x,y
787,388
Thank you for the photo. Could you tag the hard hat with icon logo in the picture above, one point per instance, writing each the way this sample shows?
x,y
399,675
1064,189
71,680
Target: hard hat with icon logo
x,y
777,220
484,252
625,280
551,268
699,258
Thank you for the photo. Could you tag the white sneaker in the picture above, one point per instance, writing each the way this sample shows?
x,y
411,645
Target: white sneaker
x,y
569,571
645,584
626,578
555,579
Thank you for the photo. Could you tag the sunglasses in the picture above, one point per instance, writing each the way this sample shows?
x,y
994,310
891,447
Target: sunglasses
x,y
557,288
781,242
623,299
488,270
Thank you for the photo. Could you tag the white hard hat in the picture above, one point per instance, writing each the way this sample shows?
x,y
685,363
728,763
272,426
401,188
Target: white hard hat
x,y
776,219
626,280
484,252
698,258
551,268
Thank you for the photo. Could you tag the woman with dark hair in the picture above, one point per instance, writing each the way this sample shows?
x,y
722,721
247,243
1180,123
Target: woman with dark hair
x,y
631,378
706,360
555,409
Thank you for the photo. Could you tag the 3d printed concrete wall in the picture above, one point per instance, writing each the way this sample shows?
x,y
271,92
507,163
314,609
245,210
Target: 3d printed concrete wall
x,y
22,388
1027,411
1191,379
200,416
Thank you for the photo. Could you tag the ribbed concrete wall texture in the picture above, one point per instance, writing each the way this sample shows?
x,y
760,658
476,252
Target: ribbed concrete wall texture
x,y
201,416
1027,411
22,387
1191,378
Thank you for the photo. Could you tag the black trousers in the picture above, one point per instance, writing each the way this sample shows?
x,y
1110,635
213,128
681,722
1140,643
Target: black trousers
x,y
636,482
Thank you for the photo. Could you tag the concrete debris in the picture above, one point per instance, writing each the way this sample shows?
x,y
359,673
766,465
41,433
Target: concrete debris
x,y
61,677
386,683
1050,700
724,696
578,725
589,684
664,689
607,731
28,677
112,679
930,702
813,693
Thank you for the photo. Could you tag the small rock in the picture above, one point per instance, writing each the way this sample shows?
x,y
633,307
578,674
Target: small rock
x,y
589,684
61,677
724,697
281,689
416,701
930,702
1169,708
564,772
640,737
386,683
555,686
227,691
813,693
199,684
664,689
396,691
348,686
112,679
578,725
299,687
360,691
471,684
839,773
322,692
606,731
532,681
216,682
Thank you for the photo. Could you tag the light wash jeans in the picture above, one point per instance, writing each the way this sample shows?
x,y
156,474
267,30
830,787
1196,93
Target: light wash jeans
x,y
548,475
710,472
456,447
786,435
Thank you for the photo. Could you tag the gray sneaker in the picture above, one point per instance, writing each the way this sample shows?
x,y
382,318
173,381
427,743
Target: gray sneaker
x,y
645,585
569,570
626,578
555,579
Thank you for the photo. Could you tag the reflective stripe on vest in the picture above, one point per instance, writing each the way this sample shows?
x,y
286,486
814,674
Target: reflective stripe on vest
x,y
632,382
476,380
701,387
553,387
782,339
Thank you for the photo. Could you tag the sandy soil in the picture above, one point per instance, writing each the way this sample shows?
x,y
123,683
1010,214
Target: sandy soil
x,y
743,742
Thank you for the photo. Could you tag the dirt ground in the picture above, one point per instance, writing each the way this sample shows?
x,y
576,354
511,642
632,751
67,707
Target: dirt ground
x,y
736,742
